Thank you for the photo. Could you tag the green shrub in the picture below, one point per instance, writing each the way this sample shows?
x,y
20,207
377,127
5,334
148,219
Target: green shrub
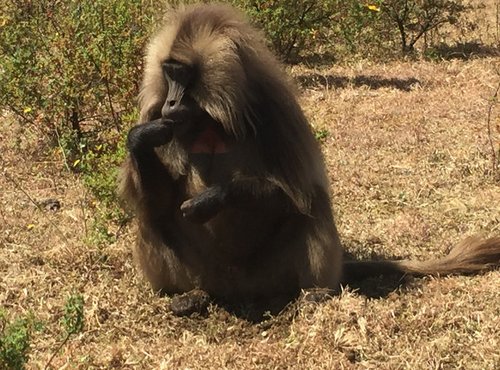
x,y
15,339
351,27
291,25
340,28
72,69
73,319
414,19
357,31
71,64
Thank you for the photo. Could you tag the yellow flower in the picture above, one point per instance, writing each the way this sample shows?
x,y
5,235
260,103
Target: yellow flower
x,y
373,8
27,110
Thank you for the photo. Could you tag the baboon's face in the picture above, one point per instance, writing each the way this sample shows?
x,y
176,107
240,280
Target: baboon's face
x,y
179,106
180,110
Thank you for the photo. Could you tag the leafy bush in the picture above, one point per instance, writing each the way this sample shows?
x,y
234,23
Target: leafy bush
x,y
291,25
72,69
296,28
73,319
357,30
69,64
15,340
414,19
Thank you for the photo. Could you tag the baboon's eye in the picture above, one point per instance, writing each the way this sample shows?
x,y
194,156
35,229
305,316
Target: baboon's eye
x,y
181,73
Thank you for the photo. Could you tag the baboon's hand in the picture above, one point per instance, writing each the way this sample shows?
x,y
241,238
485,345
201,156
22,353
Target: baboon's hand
x,y
206,205
149,135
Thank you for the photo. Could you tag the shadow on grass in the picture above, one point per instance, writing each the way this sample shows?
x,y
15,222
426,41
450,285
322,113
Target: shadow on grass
x,y
373,286
378,287
464,51
373,82
256,311
319,59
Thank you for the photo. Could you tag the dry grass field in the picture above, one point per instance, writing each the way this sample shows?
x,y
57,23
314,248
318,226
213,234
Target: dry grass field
x,y
410,163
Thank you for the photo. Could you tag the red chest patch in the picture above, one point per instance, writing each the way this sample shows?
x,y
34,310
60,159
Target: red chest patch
x,y
209,141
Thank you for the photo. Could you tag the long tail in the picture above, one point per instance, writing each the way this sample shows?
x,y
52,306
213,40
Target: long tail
x,y
470,256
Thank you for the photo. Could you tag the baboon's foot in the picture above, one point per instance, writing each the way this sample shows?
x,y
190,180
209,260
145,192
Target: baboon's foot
x,y
194,301
317,295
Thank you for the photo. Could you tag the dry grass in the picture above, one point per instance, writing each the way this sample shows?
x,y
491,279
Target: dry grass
x,y
410,167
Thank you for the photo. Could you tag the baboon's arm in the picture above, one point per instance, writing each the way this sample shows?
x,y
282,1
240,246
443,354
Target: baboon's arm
x,y
242,193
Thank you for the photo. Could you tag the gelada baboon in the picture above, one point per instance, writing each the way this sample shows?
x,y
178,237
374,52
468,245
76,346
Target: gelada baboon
x,y
226,177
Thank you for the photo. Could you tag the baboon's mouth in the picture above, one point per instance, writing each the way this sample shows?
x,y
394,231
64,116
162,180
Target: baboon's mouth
x,y
209,141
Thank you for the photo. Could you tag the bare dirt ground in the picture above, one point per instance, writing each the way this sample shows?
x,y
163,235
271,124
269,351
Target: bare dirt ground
x,y
410,163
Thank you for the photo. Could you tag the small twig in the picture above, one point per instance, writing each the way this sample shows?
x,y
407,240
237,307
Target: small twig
x,y
62,149
61,345
110,102
494,159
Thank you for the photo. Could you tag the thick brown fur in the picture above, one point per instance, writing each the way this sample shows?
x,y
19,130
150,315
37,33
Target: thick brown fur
x,y
284,238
